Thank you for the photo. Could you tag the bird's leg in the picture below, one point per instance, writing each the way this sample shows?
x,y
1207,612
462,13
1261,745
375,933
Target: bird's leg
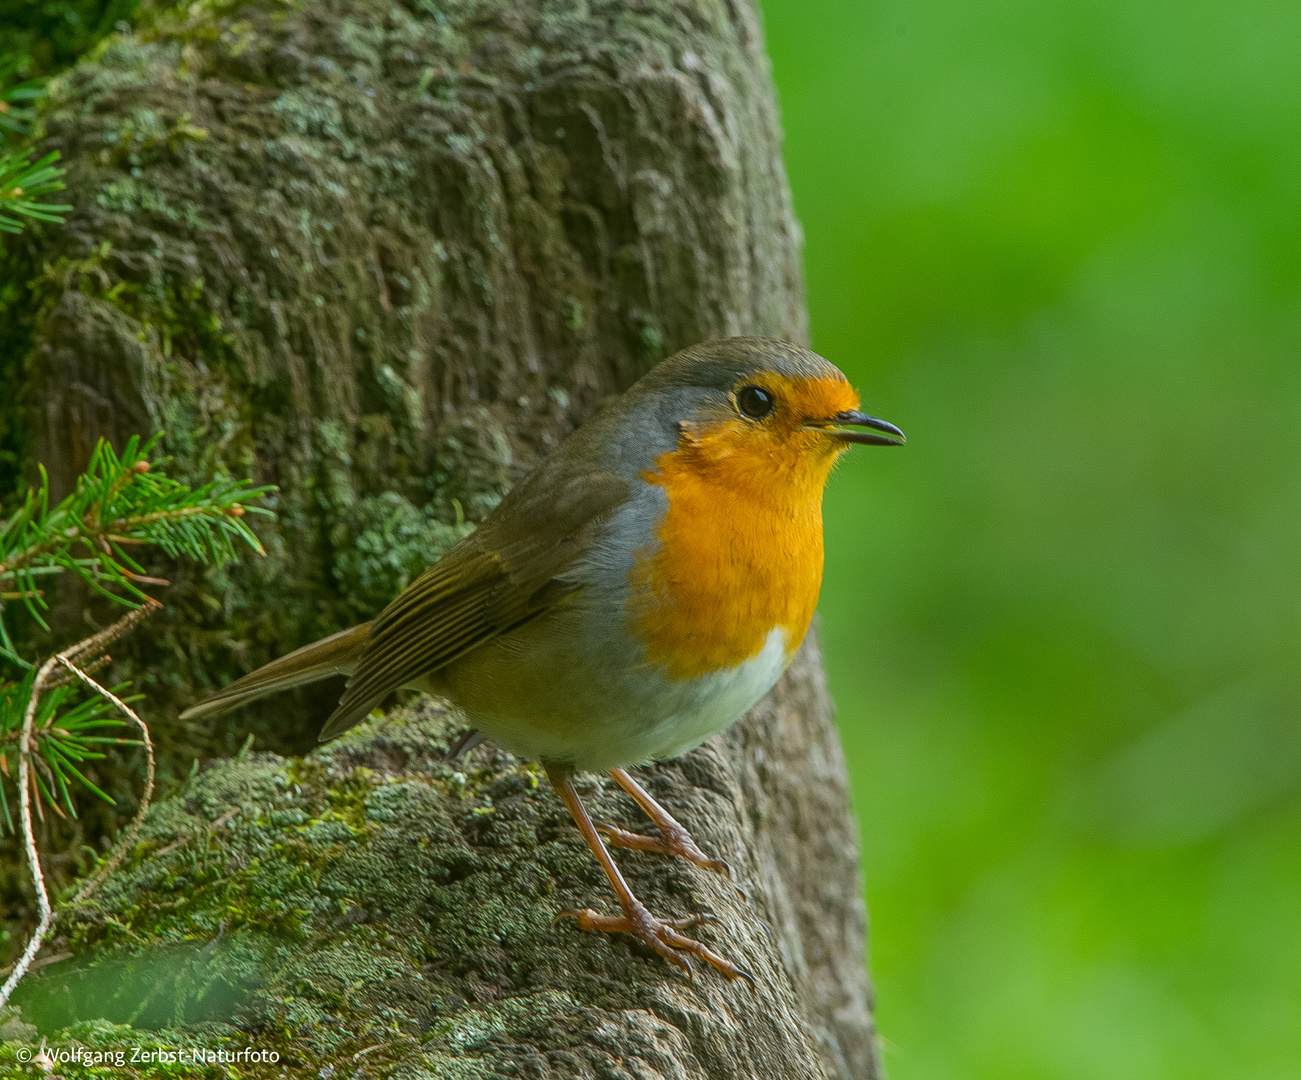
x,y
673,839
662,935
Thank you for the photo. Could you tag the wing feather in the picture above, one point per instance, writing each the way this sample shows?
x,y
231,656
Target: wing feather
x,y
498,578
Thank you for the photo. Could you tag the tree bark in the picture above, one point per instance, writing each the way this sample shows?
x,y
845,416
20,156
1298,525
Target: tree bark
x,y
385,255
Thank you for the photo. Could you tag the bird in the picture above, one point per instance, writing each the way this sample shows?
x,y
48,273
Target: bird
x,y
636,593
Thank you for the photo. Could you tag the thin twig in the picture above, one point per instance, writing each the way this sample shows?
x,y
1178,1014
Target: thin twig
x,y
128,838
62,678
97,643
29,838
89,648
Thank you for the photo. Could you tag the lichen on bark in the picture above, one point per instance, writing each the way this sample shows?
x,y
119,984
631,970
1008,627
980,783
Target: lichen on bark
x,y
385,255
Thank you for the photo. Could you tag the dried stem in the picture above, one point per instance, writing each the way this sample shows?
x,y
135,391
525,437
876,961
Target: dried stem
x,y
29,838
97,643
128,837
90,648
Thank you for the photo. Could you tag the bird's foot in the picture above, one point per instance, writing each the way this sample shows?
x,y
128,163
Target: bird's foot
x,y
662,935
673,840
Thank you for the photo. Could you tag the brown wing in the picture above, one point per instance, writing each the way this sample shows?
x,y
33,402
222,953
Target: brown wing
x,y
499,577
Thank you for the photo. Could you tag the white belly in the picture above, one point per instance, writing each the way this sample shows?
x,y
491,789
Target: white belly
x,y
609,712
705,706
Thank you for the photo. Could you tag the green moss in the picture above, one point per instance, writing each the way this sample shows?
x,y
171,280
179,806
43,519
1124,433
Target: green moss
x,y
367,896
382,544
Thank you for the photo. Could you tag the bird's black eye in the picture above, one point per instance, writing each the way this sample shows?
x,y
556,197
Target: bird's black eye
x,y
754,401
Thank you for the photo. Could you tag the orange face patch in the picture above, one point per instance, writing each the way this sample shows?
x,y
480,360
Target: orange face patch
x,y
739,551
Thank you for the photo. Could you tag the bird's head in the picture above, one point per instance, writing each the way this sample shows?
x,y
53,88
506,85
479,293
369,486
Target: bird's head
x,y
747,410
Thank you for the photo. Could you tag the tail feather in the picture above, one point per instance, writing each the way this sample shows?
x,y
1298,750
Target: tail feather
x,y
334,655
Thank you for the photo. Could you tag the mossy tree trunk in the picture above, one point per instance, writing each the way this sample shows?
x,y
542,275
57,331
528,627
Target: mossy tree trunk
x,y
385,255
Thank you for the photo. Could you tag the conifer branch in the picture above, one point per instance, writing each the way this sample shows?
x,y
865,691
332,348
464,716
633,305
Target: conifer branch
x,y
24,183
120,500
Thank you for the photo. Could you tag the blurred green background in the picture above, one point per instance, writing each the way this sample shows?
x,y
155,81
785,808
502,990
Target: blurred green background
x,y
1059,244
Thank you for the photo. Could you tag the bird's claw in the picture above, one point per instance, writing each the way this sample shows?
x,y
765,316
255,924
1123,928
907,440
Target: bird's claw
x,y
674,842
662,935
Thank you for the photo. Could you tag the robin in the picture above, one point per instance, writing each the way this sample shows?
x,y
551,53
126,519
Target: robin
x,y
635,594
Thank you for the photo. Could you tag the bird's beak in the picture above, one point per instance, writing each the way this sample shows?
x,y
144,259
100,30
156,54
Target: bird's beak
x,y
893,436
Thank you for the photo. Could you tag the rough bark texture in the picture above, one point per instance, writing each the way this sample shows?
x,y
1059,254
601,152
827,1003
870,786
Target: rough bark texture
x,y
385,255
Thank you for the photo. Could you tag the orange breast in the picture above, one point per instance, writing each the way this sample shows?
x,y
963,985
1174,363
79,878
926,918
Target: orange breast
x,y
739,551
